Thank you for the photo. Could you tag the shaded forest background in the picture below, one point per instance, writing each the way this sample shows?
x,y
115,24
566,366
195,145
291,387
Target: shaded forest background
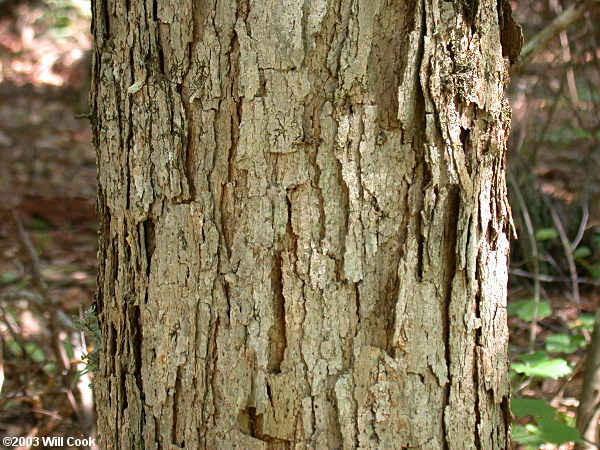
x,y
48,222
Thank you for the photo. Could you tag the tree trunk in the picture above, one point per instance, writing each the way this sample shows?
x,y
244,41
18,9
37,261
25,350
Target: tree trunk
x,y
303,234
588,412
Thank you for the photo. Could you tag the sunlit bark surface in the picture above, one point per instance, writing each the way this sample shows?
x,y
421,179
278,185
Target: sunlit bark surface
x,y
303,224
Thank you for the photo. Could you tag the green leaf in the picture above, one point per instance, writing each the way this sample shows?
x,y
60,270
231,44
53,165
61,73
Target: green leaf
x,y
556,432
582,252
581,133
14,347
550,369
567,419
545,234
34,351
531,407
539,365
39,224
7,278
595,271
50,368
524,310
528,435
69,349
584,321
564,343
533,358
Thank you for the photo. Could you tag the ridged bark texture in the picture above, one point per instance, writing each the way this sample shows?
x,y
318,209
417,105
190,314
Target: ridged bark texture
x,y
304,224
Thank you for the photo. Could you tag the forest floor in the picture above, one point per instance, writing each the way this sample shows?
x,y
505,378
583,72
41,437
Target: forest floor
x,y
48,188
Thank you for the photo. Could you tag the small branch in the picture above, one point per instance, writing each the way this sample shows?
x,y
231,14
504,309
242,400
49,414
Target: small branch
x,y
566,51
39,282
39,302
551,279
534,259
34,261
540,41
568,249
582,225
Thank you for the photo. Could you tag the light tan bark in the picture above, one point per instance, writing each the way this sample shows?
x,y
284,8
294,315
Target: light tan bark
x,y
304,224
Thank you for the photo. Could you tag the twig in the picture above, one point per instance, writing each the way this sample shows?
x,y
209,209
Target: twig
x,y
540,41
566,53
534,259
39,301
551,279
38,281
590,443
84,383
10,325
582,225
541,136
574,373
30,296
568,249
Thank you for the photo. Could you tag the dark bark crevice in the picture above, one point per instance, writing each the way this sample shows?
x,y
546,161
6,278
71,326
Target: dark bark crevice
x,y
277,332
149,242
450,242
190,139
175,407
475,368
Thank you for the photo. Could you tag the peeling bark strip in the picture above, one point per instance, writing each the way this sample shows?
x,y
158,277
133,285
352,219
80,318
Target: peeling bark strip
x,y
304,224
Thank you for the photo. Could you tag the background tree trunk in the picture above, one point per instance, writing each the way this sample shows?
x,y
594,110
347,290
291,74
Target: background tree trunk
x,y
304,224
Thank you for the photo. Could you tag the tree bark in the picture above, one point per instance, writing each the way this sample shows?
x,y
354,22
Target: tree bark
x,y
304,224
588,412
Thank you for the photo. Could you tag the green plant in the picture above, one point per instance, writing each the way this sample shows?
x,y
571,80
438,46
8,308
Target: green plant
x,y
548,424
91,328
564,343
584,322
526,310
538,422
539,364
7,278
546,431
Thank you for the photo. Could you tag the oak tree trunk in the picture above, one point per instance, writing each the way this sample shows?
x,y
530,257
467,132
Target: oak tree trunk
x,y
303,236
